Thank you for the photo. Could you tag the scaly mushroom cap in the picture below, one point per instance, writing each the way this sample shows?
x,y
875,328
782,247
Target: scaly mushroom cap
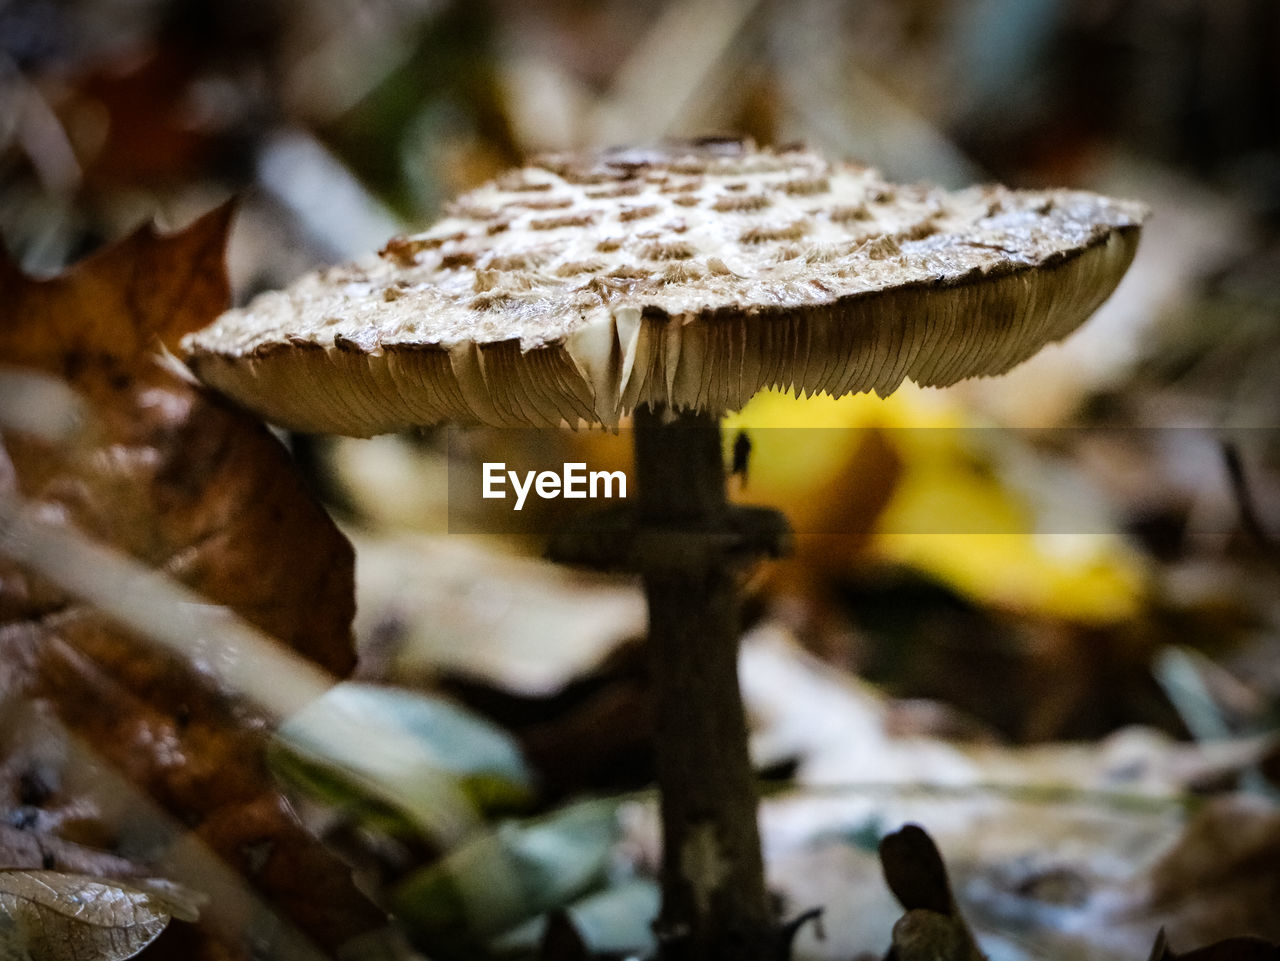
x,y
578,287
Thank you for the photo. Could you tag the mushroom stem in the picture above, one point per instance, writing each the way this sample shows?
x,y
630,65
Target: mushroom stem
x,y
714,904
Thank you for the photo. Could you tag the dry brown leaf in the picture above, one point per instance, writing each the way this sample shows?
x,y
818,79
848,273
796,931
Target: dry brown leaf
x,y
150,135
176,477
64,917
1228,949
1222,878
187,484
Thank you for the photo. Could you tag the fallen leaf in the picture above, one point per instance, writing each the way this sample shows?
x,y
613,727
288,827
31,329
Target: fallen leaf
x,y
914,479
424,744
1222,878
189,485
51,916
838,727
508,876
149,134
454,606
175,476
1228,949
614,922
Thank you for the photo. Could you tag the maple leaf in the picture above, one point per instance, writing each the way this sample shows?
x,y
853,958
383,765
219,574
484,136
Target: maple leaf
x,y
188,484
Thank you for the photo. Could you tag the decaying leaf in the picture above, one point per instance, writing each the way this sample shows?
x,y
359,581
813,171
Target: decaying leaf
x,y
51,916
185,484
1222,878
174,477
423,592
1228,949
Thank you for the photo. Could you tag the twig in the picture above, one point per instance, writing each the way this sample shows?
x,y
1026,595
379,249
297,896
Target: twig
x,y
1250,520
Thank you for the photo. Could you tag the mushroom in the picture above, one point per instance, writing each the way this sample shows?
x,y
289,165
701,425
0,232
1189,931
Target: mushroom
x,y
672,284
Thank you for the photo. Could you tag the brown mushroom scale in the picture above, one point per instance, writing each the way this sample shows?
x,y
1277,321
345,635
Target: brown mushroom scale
x,y
674,283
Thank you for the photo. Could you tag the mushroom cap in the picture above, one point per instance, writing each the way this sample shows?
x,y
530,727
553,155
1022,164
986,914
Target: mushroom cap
x,y
691,276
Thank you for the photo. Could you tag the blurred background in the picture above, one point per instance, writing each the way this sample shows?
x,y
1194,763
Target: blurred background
x,y
1121,571
338,123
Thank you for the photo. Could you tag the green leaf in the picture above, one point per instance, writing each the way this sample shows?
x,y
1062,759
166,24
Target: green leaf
x,y
615,921
400,759
507,876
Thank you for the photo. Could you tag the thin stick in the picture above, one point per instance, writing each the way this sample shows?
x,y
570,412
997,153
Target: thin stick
x,y
1250,520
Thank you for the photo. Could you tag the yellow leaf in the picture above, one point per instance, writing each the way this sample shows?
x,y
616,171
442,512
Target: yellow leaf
x,y
939,501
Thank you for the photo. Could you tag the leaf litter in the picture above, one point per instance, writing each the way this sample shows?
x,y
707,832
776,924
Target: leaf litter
x,y
186,484
1059,848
